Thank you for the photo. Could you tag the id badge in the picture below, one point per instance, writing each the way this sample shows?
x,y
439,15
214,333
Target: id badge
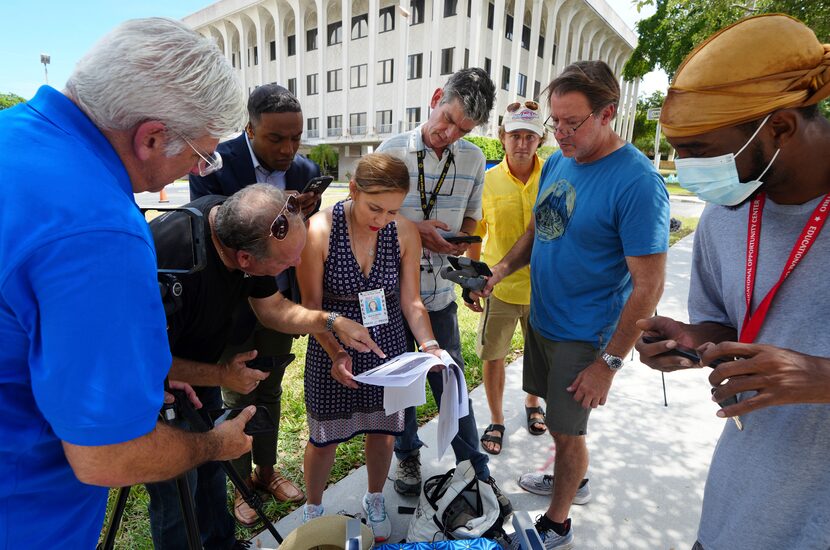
x,y
373,307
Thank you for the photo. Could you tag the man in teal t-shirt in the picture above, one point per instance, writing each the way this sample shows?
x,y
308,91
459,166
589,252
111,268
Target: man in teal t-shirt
x,y
597,251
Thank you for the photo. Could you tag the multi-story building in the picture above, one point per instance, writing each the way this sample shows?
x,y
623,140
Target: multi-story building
x,y
366,69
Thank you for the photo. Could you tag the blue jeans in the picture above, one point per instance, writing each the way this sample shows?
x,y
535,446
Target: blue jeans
x,y
465,443
208,485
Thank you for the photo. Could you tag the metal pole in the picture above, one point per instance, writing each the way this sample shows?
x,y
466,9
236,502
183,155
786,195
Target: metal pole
x,y
657,146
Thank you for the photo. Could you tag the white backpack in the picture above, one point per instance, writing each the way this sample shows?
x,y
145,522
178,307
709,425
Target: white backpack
x,y
456,505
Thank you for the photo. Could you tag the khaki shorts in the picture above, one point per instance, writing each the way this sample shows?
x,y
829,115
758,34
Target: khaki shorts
x,y
496,327
549,368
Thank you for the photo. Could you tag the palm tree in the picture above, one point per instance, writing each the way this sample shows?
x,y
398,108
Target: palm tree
x,y
325,156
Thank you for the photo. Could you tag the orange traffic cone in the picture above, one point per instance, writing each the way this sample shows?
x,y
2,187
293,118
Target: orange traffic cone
x,y
163,196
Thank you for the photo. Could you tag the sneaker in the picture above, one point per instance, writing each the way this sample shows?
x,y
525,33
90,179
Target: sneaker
x,y
553,540
505,508
408,475
542,484
311,511
374,506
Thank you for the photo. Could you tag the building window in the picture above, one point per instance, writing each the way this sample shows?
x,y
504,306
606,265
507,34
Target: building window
x,y
310,40
384,122
491,15
292,45
537,89
386,68
335,80
357,124
256,55
466,58
414,66
387,19
450,7
335,33
358,76
416,12
522,91
446,60
526,37
541,50
487,66
233,60
508,26
292,86
505,78
273,48
312,127
360,26
553,55
335,125
413,117
469,8
311,84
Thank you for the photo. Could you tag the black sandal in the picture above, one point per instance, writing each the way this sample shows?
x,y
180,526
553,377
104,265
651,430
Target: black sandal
x,y
533,422
497,439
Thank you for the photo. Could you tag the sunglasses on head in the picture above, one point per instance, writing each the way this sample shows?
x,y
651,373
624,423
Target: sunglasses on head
x,y
515,106
279,227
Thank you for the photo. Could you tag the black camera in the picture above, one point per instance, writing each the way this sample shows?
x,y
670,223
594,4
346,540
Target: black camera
x,y
470,274
190,259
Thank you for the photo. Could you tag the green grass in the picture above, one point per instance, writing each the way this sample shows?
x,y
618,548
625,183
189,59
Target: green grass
x,y
135,527
675,189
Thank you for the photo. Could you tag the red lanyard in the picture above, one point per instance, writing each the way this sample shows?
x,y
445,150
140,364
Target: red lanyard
x,y
752,322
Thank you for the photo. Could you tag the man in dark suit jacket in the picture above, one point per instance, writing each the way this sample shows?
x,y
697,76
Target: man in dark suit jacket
x,y
265,153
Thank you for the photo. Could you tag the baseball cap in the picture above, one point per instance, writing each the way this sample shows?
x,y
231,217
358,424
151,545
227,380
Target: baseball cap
x,y
523,116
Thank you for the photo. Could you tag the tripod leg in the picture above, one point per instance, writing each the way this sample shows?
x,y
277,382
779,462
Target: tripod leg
x,y
115,519
665,401
194,540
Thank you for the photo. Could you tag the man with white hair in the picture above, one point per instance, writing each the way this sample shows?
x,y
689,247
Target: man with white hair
x,y
85,352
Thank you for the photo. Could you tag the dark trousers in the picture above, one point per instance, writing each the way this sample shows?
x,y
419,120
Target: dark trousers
x,y
208,484
465,443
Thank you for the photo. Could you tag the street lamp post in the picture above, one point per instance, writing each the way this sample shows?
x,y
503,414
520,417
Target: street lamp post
x,y
45,59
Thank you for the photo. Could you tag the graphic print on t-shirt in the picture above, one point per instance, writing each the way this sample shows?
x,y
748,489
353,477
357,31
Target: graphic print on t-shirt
x,y
553,210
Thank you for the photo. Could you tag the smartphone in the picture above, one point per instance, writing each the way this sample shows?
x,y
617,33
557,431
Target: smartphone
x,y
318,185
462,262
279,362
462,239
261,423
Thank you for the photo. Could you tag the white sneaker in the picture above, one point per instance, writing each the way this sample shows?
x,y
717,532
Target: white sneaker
x,y
540,483
311,511
374,506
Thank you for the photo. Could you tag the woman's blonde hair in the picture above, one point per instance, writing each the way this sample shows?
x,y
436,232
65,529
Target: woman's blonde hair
x,y
381,173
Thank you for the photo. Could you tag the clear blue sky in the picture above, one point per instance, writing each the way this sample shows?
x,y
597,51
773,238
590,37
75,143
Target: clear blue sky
x,y
66,29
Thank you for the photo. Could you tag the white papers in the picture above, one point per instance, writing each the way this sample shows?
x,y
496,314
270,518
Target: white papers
x,y
404,378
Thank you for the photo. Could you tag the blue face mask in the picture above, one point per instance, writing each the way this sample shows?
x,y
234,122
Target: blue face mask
x,y
715,179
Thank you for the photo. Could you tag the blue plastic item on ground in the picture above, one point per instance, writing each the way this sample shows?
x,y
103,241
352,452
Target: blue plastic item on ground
x,y
471,544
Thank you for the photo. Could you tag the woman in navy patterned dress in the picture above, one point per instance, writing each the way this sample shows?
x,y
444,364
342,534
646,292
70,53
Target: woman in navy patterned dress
x,y
360,258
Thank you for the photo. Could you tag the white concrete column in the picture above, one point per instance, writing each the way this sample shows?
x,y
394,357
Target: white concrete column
x,y
576,36
476,32
629,129
498,40
273,8
551,39
322,37
516,50
236,22
402,60
432,31
371,71
346,16
590,32
564,36
262,56
461,29
533,57
223,32
299,46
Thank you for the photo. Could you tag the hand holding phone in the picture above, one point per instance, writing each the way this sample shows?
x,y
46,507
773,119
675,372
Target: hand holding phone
x,y
462,239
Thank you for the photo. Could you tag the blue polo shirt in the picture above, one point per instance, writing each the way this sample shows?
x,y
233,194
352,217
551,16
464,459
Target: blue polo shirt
x,y
84,349
589,217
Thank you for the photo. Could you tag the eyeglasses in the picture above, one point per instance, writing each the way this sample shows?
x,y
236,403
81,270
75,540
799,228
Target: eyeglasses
x,y
515,106
207,164
566,131
279,227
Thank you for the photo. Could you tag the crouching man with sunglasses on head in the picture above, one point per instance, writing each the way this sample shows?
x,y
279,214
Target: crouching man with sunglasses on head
x,y
251,237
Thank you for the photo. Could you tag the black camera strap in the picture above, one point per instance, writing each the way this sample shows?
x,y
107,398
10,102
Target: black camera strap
x,y
428,205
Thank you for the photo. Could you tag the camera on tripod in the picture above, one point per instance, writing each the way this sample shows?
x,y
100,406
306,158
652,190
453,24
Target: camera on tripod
x,y
470,274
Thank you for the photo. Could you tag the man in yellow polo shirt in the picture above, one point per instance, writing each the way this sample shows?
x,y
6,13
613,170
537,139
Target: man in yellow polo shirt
x,y
507,207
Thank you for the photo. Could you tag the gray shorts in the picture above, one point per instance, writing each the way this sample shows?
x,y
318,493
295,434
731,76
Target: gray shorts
x,y
549,368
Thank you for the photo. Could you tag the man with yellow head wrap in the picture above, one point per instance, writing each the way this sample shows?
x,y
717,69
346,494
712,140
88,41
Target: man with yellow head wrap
x,y
742,115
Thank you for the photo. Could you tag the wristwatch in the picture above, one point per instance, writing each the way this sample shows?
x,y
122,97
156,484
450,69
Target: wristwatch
x,y
330,320
614,363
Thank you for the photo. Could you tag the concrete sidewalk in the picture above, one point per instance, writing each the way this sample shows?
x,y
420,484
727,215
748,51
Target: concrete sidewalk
x,y
648,461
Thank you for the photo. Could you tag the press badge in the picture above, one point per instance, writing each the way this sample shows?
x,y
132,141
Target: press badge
x,y
373,307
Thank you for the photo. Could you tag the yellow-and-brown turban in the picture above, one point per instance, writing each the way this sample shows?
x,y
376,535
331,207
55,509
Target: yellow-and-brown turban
x,y
751,68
